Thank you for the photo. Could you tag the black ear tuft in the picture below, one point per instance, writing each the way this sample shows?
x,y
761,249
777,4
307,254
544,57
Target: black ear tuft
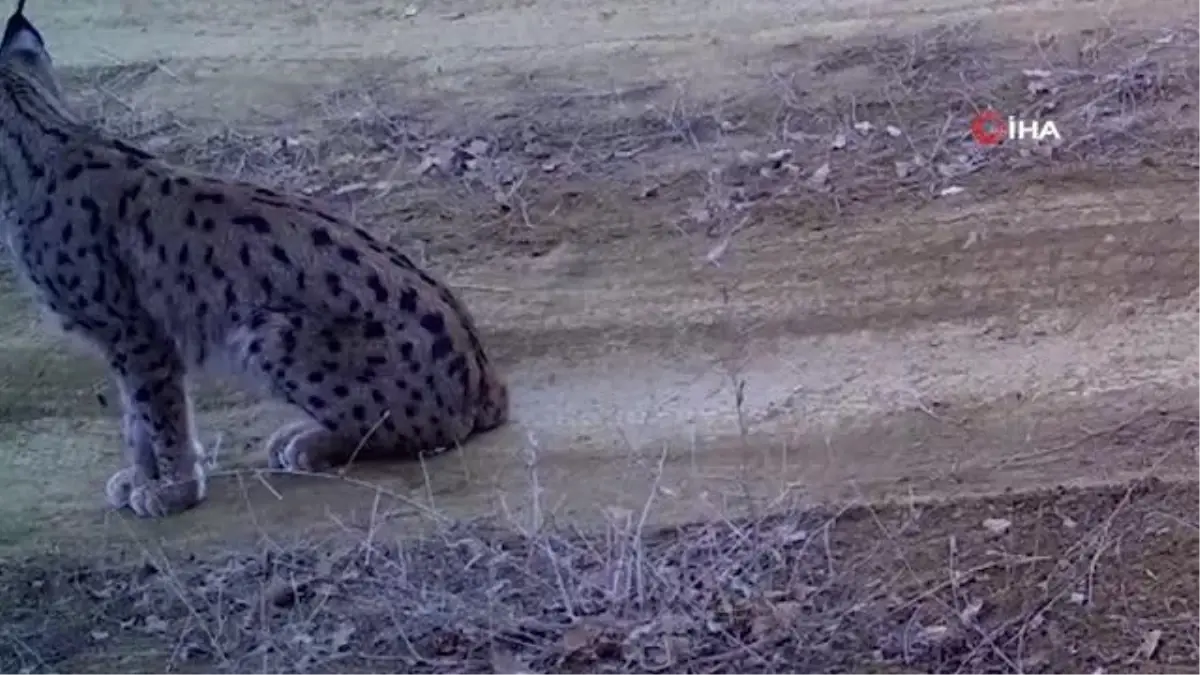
x,y
16,26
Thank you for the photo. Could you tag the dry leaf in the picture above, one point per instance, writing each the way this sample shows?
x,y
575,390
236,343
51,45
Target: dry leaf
x,y
506,663
821,176
952,190
780,155
748,157
700,214
776,616
714,254
970,613
892,131
477,147
579,637
1149,646
997,525
839,141
341,636
934,633
947,170
428,162
155,624
864,127
352,187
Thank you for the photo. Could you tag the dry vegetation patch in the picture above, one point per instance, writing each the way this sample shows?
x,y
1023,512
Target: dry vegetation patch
x,y
823,133
1073,580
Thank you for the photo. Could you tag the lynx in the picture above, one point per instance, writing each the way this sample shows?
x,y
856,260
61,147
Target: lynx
x,y
166,271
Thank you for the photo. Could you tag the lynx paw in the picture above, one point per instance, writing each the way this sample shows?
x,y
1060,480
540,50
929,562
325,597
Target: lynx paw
x,y
303,447
120,486
156,498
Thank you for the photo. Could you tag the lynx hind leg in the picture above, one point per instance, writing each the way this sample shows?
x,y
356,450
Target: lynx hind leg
x,y
365,398
493,406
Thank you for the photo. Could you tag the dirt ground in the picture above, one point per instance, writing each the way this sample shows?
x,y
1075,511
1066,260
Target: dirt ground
x,y
803,378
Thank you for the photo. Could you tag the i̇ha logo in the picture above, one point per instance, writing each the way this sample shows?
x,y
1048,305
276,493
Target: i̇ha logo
x,y
990,128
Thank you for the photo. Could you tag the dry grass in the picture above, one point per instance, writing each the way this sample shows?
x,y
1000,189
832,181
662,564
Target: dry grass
x,y
1072,580
1066,581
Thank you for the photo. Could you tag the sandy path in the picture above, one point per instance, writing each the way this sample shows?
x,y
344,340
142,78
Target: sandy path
x,y
956,349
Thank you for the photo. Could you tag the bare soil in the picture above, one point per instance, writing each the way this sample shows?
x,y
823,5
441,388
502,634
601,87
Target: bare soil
x,y
804,379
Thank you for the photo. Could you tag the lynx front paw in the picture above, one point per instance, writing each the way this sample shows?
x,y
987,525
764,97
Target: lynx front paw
x,y
120,486
156,498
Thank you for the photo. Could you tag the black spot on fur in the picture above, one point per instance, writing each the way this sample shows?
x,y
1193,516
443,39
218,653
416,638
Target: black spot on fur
x,y
374,330
128,195
95,224
281,255
143,226
257,223
434,323
321,238
376,286
334,282
408,301
442,347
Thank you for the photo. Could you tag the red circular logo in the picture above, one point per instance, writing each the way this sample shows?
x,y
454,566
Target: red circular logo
x,y
989,128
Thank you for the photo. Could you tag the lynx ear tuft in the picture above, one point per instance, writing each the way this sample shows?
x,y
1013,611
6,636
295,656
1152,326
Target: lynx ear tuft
x,y
20,35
